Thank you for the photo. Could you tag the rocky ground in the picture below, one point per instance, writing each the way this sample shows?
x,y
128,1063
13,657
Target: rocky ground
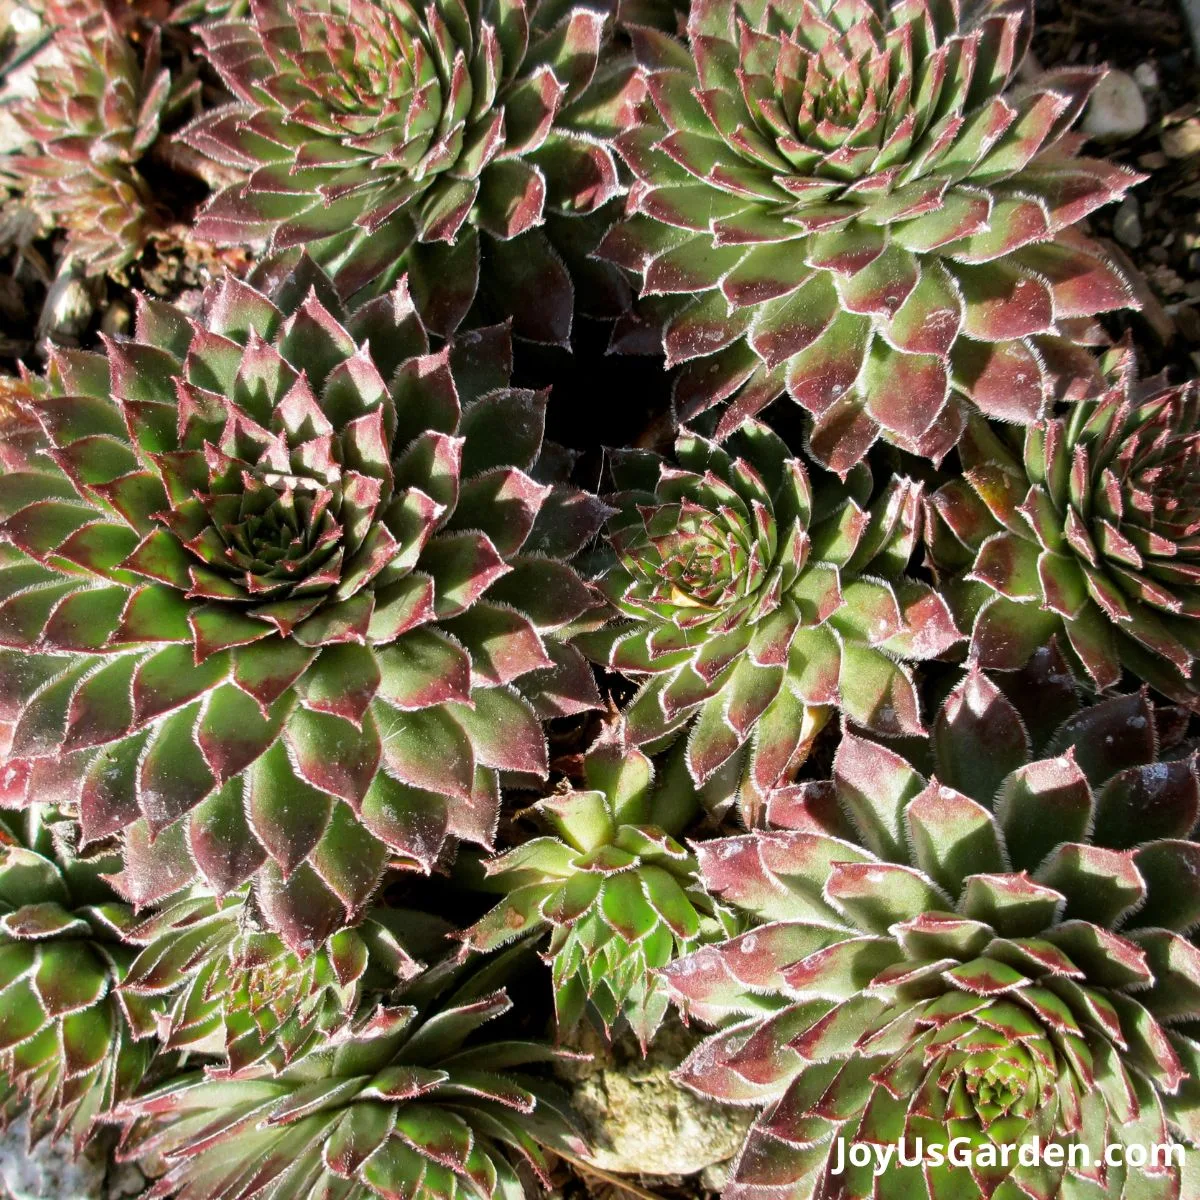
x,y
48,1173
1146,115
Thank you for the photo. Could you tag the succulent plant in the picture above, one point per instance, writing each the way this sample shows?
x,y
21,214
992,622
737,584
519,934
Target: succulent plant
x,y
192,11
282,597
389,138
1003,952
309,782
57,14
94,115
69,1050
412,1100
235,990
1089,525
19,433
852,202
617,891
754,603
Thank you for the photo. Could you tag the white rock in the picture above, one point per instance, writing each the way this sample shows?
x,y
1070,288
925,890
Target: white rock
x,y
715,1177
48,1172
1146,75
638,1120
24,20
12,136
1116,110
70,303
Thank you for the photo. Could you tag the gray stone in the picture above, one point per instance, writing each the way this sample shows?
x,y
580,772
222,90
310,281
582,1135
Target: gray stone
x,y
1117,109
1127,224
70,304
124,1179
637,1119
48,1171
1146,75
715,1177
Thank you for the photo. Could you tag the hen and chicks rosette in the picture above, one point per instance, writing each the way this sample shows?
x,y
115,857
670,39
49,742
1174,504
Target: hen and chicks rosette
x,y
281,595
754,599
1087,526
862,205
390,138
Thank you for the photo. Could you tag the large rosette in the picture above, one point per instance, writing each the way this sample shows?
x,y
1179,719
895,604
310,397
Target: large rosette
x,y
855,202
282,595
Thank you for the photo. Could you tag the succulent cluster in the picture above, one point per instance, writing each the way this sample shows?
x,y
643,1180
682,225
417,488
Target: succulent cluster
x,y
754,603
93,117
272,589
406,1101
617,891
1089,525
70,1038
225,985
370,718
388,138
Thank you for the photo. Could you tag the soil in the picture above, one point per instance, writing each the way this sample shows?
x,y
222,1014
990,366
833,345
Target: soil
x,y
1150,40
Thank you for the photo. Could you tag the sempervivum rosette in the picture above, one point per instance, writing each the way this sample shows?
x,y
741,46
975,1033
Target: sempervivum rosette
x,y
617,892
281,597
388,137
1090,525
961,960
420,1100
94,114
753,602
224,985
873,221
69,1048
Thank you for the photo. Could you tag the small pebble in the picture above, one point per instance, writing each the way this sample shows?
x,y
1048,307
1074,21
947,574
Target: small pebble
x,y
1127,224
714,1177
1187,319
124,1179
1168,282
69,307
1182,141
1146,75
117,319
1117,109
637,1119
24,20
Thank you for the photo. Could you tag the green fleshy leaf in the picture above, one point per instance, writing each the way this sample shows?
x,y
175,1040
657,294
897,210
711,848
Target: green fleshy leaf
x,y
953,837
